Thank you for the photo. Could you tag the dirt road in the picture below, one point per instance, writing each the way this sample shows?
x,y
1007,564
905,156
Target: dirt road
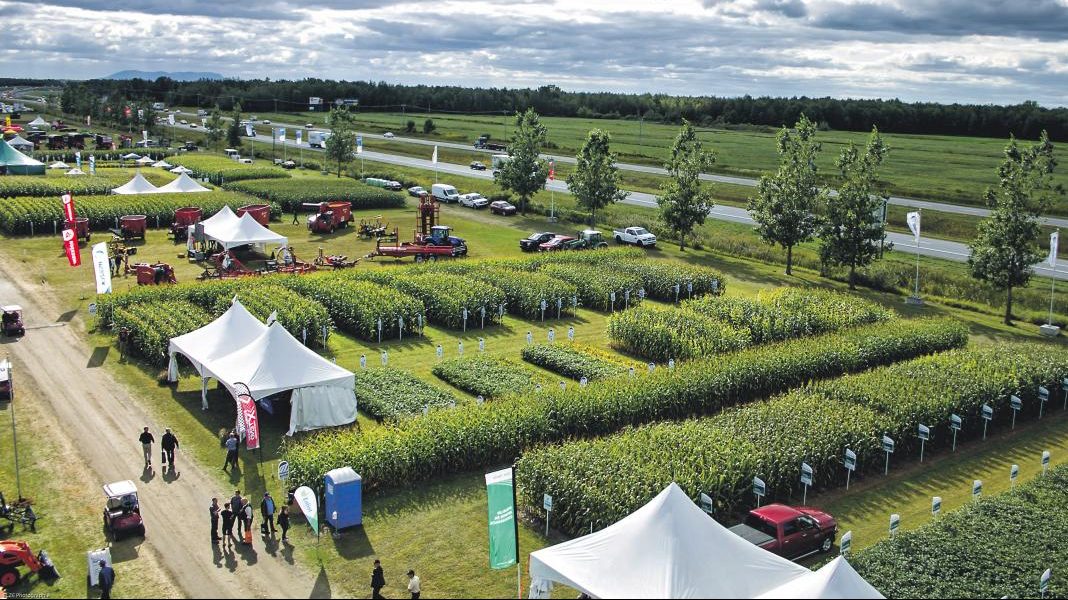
x,y
101,418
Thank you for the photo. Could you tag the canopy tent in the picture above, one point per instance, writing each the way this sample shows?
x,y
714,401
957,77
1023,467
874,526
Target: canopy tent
x,y
233,330
836,579
59,165
14,162
162,164
38,122
21,144
75,171
137,185
145,160
322,392
181,169
183,184
234,232
131,156
669,548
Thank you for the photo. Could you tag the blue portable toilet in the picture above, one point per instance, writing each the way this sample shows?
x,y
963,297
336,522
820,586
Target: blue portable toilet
x,y
344,498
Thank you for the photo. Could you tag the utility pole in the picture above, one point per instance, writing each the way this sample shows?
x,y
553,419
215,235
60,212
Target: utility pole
x,y
14,434
641,122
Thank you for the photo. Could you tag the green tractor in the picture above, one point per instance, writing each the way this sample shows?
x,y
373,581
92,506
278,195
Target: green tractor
x,y
586,240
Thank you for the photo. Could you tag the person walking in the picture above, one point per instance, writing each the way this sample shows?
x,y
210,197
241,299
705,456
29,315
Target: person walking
x,y
414,585
378,580
107,580
246,513
267,512
231,452
169,443
213,511
296,207
147,440
227,525
283,521
235,504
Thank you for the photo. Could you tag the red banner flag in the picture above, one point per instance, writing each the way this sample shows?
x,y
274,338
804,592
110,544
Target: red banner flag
x,y
68,207
126,111
247,406
70,246
552,170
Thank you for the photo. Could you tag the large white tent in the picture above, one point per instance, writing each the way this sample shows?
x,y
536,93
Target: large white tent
x,y
181,185
137,185
836,579
322,392
231,231
21,144
233,330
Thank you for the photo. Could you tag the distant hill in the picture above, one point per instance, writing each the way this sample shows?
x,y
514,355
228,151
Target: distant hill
x,y
176,75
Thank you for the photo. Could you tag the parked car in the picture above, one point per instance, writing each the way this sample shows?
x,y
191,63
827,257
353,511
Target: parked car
x,y
444,193
309,125
388,134
502,207
634,235
266,121
289,165
557,243
474,200
184,122
417,191
531,243
477,166
789,531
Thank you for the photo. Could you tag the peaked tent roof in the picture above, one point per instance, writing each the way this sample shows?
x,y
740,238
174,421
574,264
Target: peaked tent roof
x,y
131,156
669,548
183,184
233,330
162,164
225,215
146,160
836,579
37,122
137,185
18,163
59,165
75,171
240,231
20,142
181,169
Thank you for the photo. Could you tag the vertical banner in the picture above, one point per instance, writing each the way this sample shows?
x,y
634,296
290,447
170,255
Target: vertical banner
x,y
359,144
88,120
309,505
282,134
503,538
248,130
68,207
434,157
102,268
70,247
1054,239
247,407
78,159
170,119
92,164
144,134
552,170
300,137
913,219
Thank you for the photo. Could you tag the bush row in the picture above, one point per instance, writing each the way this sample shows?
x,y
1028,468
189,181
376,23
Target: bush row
x,y
292,193
151,325
485,376
662,334
299,315
388,393
574,361
358,306
53,186
599,287
220,170
445,296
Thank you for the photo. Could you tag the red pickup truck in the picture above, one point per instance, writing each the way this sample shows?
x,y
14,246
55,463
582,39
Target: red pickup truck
x,y
791,532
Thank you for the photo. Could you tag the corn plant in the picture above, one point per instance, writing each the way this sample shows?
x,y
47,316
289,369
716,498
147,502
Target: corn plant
x,y
151,325
575,361
388,393
486,376
292,193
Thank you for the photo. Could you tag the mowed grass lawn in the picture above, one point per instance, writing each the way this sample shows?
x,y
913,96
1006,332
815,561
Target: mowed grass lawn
x,y
438,528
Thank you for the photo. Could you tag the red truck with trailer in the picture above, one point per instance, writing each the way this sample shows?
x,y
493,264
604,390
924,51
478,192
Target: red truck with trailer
x,y
330,216
792,532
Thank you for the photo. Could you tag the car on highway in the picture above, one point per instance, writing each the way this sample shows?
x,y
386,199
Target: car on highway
x,y
193,125
531,243
417,191
388,134
309,125
184,122
266,121
790,531
502,207
557,243
289,165
477,166
474,200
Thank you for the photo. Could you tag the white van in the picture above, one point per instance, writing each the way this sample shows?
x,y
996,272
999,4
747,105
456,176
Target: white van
x,y
443,192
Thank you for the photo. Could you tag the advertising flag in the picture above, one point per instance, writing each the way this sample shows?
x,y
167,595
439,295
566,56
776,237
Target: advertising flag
x,y
170,118
1054,238
552,170
140,114
204,122
503,541
70,247
248,130
359,144
300,137
88,120
102,268
434,159
78,159
92,165
309,505
913,219
68,207
126,111
144,134
282,134
247,407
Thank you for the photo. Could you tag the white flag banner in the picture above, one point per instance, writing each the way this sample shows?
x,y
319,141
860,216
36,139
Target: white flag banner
x,y
144,134
248,129
359,144
102,268
282,134
913,219
434,159
204,122
1054,238
170,119
92,165
300,137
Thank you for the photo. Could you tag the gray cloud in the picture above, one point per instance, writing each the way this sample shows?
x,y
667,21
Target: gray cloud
x,y
1047,19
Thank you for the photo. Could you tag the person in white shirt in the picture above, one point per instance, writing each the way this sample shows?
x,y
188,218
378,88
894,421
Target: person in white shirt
x,y
413,584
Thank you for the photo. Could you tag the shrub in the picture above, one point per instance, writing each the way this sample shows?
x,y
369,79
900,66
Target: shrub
x,y
659,278
574,361
661,334
295,312
153,324
386,393
445,296
485,376
597,285
357,306
288,193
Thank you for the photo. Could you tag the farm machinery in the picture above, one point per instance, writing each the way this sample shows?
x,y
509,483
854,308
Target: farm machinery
x,y
370,228
131,226
431,241
15,554
224,265
587,239
336,261
184,218
154,274
20,512
330,216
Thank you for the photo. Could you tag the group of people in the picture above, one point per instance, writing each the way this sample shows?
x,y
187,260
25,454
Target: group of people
x,y
378,581
168,444
238,511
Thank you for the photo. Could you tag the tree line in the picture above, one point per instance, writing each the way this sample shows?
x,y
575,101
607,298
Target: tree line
x,y
1026,120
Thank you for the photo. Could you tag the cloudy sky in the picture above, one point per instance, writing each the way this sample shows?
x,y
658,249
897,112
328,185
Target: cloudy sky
x,y
985,51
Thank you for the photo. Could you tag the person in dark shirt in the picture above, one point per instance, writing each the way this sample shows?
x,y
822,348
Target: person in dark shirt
x,y
107,580
227,525
378,580
169,442
235,504
213,512
146,440
283,522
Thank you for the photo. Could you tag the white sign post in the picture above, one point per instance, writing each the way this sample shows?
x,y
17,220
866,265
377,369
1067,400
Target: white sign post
x,y
283,470
1045,461
705,502
1043,397
888,448
850,463
806,480
924,433
846,543
570,334
1017,404
895,522
1043,582
547,504
936,506
481,345
1014,472
988,415
363,361
955,423
759,489
977,489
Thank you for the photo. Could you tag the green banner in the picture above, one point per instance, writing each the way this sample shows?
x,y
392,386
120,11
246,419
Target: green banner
x,y
503,541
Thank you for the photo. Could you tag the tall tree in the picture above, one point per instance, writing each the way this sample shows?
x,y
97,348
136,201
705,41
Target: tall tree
x,y
595,180
341,145
233,132
685,203
216,128
525,173
853,227
1006,246
784,205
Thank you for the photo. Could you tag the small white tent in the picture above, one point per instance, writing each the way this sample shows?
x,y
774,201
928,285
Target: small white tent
x,y
59,165
131,156
231,233
145,160
162,164
38,122
669,548
836,579
181,169
21,144
75,171
183,184
137,185
323,394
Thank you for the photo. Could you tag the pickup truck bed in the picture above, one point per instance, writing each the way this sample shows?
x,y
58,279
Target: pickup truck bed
x,y
751,535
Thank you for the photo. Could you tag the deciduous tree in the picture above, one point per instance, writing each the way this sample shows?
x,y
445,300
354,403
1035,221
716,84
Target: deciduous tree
x,y
524,173
341,144
595,180
685,203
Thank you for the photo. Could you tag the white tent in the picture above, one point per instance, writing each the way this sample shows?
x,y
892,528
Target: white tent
x,y
131,156
323,394
137,185
162,164
21,144
38,122
181,169
75,171
145,160
234,232
669,548
233,330
59,165
836,579
183,184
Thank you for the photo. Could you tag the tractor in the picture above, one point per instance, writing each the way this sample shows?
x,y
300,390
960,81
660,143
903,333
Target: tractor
x,y
15,554
122,513
431,241
586,240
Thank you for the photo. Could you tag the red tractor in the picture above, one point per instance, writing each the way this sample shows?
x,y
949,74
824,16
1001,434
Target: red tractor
x,y
331,216
154,274
15,554
184,218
